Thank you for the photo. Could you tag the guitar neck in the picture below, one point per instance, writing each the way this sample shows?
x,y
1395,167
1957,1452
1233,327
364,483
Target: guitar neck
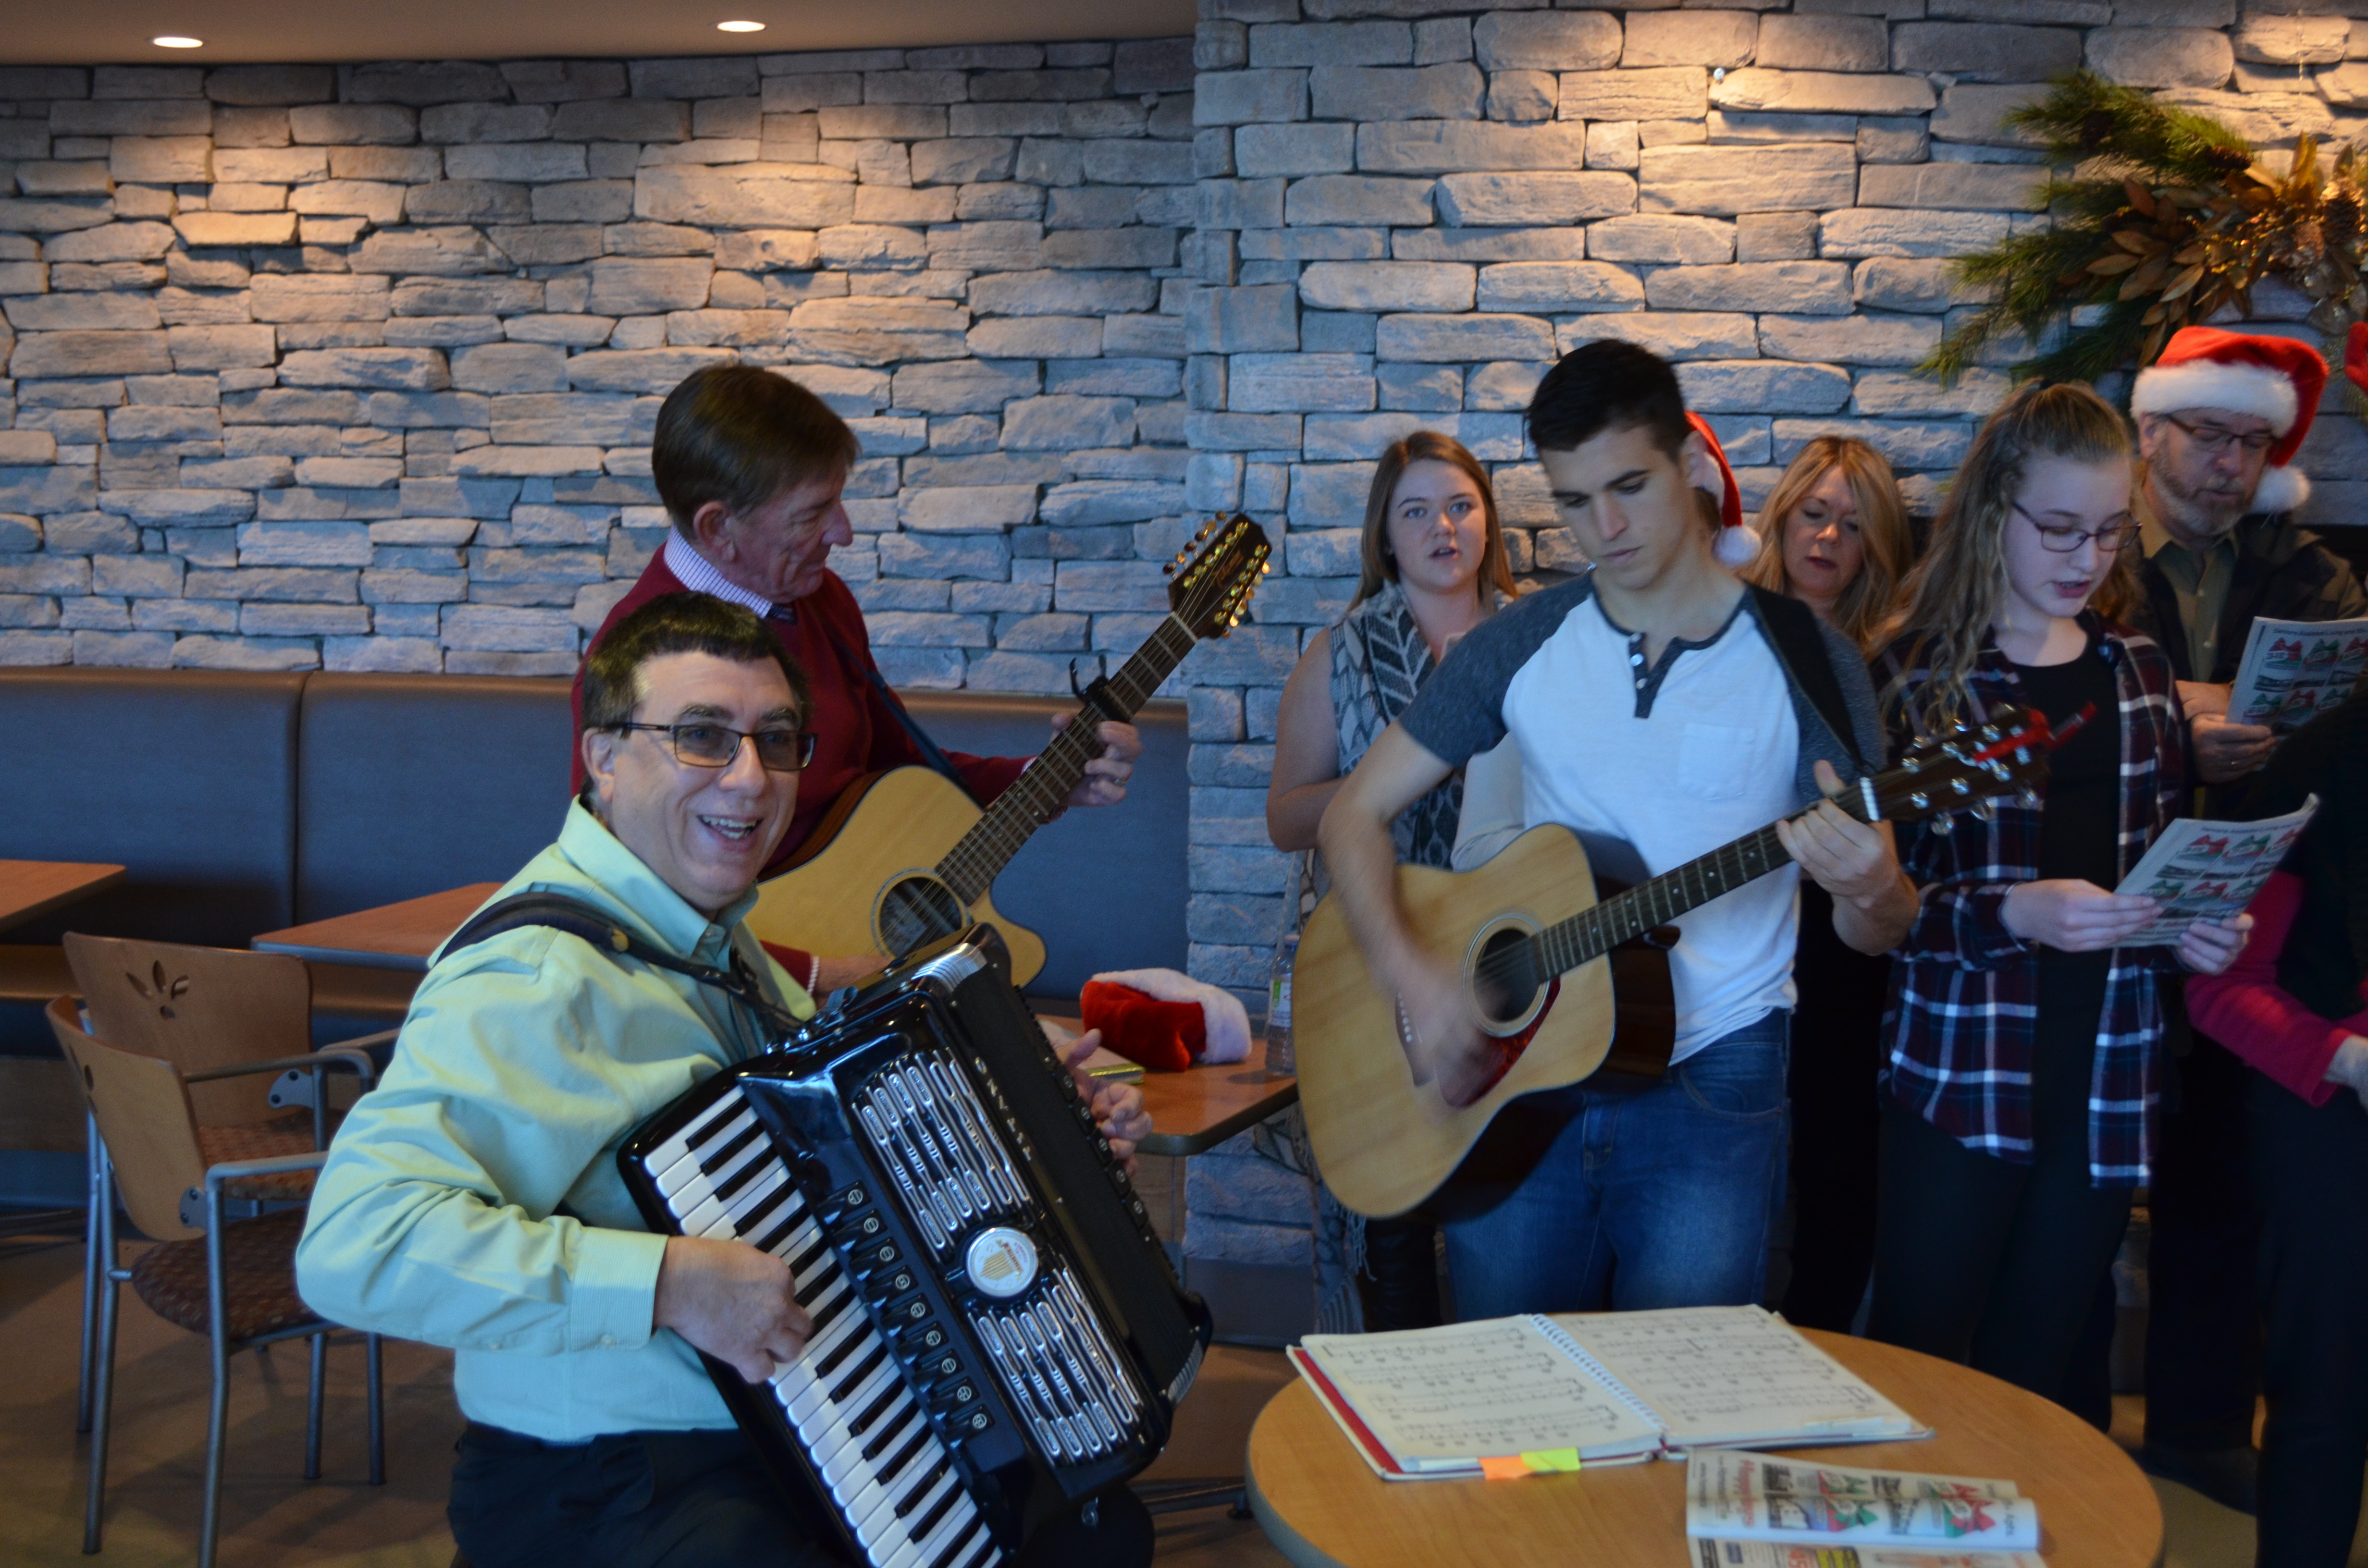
x,y
1625,916
1038,795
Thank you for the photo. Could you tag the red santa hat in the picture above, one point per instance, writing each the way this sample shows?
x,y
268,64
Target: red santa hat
x,y
2355,356
2273,378
1737,544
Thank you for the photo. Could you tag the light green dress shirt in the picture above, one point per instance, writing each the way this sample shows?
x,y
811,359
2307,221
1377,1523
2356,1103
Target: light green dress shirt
x,y
2199,582
525,1060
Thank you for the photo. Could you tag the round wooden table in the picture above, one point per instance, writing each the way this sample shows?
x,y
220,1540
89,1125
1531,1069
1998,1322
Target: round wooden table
x,y
1323,1508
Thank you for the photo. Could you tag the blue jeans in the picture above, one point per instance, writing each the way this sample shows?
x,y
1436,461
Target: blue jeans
x,y
1626,1193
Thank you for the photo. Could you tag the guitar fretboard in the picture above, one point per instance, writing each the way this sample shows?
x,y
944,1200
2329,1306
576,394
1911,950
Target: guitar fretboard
x,y
972,866
1591,933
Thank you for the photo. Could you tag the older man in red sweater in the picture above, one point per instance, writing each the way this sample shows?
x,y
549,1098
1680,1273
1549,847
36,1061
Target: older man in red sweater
x,y
751,466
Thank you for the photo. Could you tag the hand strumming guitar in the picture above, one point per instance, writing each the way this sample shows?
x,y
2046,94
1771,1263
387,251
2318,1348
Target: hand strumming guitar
x,y
1440,1031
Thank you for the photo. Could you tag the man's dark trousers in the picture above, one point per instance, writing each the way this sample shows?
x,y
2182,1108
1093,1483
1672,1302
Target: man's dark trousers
x,y
2203,1331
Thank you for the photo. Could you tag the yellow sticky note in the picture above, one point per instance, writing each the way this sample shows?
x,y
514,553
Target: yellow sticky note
x,y
1510,1467
1547,1461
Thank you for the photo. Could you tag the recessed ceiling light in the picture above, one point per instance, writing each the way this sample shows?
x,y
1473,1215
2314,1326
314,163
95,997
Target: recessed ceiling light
x,y
173,41
739,27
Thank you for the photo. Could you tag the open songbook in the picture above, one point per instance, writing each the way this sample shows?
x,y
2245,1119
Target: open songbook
x,y
1746,1496
1509,1396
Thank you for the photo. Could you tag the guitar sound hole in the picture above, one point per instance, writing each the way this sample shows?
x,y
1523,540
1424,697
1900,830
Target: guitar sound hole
x,y
1505,979
916,910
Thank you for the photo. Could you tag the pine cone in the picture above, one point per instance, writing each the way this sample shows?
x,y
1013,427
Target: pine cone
x,y
2343,216
2095,127
2227,160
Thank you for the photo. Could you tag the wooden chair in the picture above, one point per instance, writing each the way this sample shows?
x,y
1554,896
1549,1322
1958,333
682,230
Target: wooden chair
x,y
203,1009
232,1280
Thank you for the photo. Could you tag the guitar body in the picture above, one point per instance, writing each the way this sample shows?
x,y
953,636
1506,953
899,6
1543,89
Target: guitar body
x,y
1384,1143
881,841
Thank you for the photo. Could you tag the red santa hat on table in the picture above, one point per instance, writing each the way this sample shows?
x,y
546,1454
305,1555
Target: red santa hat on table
x,y
2274,378
1737,544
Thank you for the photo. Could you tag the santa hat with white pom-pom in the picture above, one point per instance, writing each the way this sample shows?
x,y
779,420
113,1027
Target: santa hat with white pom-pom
x,y
1737,544
2272,378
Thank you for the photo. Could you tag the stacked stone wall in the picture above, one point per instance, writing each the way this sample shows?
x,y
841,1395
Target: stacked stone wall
x,y
355,366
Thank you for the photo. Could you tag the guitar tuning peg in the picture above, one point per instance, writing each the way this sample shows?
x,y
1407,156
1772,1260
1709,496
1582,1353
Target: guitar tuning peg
x,y
1982,810
2028,798
1943,823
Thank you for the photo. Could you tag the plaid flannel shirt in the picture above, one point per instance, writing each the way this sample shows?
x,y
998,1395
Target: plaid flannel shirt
x,y
1963,1010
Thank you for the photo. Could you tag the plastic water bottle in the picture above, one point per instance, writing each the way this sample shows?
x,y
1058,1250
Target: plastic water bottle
x,y
1280,1057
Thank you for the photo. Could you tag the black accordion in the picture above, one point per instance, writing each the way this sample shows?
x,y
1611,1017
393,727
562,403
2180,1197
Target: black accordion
x,y
999,1335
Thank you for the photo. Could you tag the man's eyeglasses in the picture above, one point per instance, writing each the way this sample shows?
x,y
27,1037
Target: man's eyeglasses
x,y
698,743
2214,440
2064,541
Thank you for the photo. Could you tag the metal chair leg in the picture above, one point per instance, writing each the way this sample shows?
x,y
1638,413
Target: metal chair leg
x,y
377,1412
92,1264
218,1410
103,1383
312,1408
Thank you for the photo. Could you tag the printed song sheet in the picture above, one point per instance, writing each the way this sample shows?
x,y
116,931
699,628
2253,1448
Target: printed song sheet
x,y
1779,1554
1447,1397
1749,1496
2295,669
1734,1375
2210,870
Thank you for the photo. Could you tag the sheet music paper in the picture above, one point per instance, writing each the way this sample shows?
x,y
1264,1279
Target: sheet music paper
x,y
1450,1396
2209,870
1732,1375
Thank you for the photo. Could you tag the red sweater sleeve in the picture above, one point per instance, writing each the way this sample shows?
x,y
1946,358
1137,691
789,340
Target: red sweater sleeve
x,y
2247,1010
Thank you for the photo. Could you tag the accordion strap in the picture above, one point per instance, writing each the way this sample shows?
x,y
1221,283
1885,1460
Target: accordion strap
x,y
605,935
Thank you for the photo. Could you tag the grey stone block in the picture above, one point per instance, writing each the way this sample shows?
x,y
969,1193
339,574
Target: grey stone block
x,y
537,162
1495,245
2265,120
55,215
631,288
473,123
1754,386
875,331
1822,43
564,81
1039,86
1689,38
1905,445
89,354
1037,337
1261,319
1677,92
1776,236
1456,146
1152,65
1875,231
1453,339
1985,52
350,123
438,252
1138,163
1744,126
1810,287
418,84
1452,91
1974,394
1822,92
100,312
1672,335
1526,97
1726,180
1483,201
1061,293
1559,286
1286,383
1969,187
1442,39
1387,286
1263,151
1358,199
410,370
1331,43
1901,340
2292,41
2161,57
1512,40
1243,97
742,197
160,117
114,242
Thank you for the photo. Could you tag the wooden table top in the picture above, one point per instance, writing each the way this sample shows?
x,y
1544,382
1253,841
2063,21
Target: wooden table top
x,y
32,888
393,936
1320,1505
1195,1110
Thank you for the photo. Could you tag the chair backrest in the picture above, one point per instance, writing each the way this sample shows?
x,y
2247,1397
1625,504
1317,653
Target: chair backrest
x,y
144,1114
196,1008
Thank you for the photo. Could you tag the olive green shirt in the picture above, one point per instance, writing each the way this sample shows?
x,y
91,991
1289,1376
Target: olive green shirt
x,y
2199,580
472,1199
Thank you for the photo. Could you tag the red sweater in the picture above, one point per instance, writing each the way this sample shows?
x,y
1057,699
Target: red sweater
x,y
2247,1011
855,733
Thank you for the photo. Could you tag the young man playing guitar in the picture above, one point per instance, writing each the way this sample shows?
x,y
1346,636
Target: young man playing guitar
x,y
1655,700
751,467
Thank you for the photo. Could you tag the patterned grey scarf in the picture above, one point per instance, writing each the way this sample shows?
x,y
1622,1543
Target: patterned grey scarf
x,y
1379,661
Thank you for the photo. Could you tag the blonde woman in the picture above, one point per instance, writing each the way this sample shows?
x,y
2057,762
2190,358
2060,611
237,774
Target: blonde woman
x,y
1434,567
1834,536
2023,1037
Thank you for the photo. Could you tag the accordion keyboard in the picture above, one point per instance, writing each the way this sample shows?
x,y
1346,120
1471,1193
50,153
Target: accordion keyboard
x,y
863,1429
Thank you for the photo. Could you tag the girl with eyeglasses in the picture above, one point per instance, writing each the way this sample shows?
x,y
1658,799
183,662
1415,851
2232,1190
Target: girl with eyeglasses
x,y
2023,1038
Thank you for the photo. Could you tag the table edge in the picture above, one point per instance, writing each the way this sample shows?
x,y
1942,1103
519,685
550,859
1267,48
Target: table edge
x,y
350,958
116,875
1178,1145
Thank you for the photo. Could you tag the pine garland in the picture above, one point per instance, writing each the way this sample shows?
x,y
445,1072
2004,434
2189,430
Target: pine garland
x,y
2165,219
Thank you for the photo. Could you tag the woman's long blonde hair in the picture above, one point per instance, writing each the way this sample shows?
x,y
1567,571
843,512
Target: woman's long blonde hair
x,y
1427,445
1861,608
1957,592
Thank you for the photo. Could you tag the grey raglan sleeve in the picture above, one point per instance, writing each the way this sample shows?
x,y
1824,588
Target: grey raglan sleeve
x,y
1460,712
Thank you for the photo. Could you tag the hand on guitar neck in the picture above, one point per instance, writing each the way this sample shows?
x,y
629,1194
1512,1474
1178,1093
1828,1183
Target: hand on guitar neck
x,y
1105,775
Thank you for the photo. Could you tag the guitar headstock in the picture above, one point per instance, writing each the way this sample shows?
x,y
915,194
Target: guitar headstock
x,y
1968,768
1210,579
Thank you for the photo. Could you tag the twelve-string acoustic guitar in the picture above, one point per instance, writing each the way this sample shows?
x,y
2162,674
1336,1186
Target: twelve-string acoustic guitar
x,y
1545,960
905,856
